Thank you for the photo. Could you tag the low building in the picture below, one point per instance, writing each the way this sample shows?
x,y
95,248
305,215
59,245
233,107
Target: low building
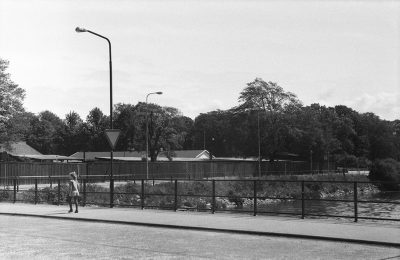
x,y
180,155
17,151
21,151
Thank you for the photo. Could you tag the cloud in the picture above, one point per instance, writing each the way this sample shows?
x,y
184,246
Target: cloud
x,y
383,104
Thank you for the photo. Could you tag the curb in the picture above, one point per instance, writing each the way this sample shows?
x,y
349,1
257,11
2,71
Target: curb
x,y
221,230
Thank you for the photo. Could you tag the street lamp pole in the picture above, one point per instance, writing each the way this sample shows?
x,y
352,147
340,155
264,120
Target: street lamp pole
x,y
79,30
147,134
259,144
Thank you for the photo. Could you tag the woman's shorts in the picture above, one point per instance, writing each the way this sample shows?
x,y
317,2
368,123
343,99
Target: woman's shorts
x,y
74,193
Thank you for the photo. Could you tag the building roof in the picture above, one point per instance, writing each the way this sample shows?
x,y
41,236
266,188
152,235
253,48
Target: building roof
x,y
19,149
137,156
90,156
48,157
190,154
138,159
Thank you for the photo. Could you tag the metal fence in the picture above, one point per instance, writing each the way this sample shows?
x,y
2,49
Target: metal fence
x,y
160,170
338,199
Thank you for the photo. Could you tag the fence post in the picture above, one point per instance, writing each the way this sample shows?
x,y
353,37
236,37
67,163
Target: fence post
x,y
58,192
87,168
84,193
15,190
49,191
355,202
255,197
176,196
111,192
36,190
142,195
302,200
213,197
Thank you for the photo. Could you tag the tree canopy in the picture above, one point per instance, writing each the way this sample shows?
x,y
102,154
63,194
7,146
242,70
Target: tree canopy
x,y
267,118
11,106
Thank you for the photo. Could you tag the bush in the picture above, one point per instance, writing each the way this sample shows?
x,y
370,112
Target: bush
x,y
387,170
5,194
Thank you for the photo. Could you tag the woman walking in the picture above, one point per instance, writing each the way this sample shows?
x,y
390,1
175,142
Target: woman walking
x,y
73,192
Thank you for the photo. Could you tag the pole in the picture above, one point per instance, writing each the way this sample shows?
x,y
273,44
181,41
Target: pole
x,y
111,108
111,96
302,200
259,144
204,139
147,141
147,133
355,191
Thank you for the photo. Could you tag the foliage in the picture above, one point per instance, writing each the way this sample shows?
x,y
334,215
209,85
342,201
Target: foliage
x,y
268,120
387,170
11,108
45,133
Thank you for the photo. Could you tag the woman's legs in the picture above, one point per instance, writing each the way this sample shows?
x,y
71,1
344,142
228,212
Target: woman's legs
x,y
70,203
76,204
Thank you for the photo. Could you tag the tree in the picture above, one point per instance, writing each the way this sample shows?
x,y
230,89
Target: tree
x,y
94,127
129,119
45,133
72,134
168,130
278,106
163,134
11,97
268,96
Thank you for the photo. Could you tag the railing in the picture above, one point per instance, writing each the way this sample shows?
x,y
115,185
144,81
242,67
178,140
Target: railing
x,y
162,169
340,199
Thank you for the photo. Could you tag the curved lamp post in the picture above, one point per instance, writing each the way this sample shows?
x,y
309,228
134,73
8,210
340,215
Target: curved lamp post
x,y
80,30
147,134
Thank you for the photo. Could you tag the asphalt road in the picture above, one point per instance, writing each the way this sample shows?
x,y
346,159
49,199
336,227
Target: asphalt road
x,y
37,238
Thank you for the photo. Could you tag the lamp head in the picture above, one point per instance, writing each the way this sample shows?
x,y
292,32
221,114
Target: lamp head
x,y
158,92
79,30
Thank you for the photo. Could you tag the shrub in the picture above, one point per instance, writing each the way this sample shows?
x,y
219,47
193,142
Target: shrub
x,y
387,170
5,194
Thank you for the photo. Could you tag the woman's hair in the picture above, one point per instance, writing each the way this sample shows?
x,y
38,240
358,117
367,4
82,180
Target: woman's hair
x,y
73,175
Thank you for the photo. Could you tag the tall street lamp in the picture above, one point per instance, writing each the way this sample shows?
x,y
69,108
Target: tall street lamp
x,y
147,133
79,30
259,144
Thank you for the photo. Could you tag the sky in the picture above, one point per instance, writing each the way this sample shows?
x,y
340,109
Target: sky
x,y
201,54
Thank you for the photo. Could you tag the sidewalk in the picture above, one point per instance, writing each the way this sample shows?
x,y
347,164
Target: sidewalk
x,y
375,233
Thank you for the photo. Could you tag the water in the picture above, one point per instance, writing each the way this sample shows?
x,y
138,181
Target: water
x,y
346,209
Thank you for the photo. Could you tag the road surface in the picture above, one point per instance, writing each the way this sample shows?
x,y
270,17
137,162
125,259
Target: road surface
x,y
39,238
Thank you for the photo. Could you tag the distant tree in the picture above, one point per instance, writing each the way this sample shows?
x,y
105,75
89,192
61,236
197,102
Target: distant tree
x,y
277,106
163,133
20,125
94,129
268,96
184,131
72,134
129,119
168,130
11,97
211,132
45,133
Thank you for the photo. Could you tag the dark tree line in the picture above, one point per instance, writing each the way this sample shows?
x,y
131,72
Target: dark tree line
x,y
267,118
316,132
